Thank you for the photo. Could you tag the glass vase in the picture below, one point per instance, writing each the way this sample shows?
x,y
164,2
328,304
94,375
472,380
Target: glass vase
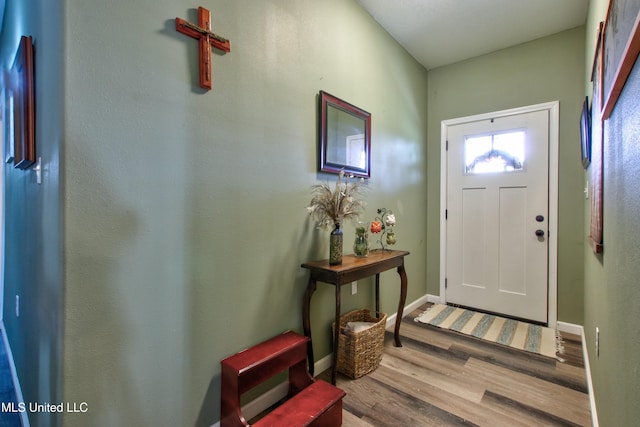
x,y
361,243
335,246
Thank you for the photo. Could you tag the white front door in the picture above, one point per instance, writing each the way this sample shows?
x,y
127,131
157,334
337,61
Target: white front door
x,y
497,207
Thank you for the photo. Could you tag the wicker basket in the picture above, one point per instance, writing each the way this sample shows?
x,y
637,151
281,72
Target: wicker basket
x,y
360,352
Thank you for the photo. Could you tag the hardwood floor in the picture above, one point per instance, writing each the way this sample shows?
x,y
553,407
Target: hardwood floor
x,y
442,378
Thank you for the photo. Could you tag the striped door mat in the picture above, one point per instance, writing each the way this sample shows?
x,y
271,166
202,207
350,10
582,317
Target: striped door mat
x,y
509,332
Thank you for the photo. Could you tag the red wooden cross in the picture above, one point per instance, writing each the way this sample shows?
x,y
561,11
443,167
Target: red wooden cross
x,y
206,39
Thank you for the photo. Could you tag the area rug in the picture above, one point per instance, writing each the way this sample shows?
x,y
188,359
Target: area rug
x,y
509,332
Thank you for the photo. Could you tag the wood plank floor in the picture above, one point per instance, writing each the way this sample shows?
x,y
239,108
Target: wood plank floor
x,y
442,378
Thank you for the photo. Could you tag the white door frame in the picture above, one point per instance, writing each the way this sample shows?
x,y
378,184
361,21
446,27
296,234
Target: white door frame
x,y
553,108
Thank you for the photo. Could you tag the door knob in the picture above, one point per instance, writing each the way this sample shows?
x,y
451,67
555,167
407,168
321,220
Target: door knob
x,y
539,233
539,218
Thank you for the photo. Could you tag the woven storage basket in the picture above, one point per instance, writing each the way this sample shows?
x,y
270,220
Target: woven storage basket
x,y
360,352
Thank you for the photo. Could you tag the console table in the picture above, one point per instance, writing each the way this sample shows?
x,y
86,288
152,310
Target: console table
x,y
352,269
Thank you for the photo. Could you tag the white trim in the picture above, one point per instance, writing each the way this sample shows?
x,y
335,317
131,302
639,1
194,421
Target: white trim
x,y
579,330
391,319
264,401
444,132
553,109
14,375
436,299
592,397
554,188
323,364
570,328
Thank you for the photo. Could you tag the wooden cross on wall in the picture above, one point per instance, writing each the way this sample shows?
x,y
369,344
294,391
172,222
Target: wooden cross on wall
x,y
206,39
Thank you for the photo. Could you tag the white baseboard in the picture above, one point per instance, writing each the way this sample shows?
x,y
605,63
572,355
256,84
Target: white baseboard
x,y
587,368
571,328
579,330
323,364
265,400
408,308
262,402
436,299
14,375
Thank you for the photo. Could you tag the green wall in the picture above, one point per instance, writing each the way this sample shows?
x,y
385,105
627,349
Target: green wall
x,y
33,265
185,221
543,70
612,295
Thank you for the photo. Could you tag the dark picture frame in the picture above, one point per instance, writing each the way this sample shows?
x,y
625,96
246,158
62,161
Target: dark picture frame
x,y
596,226
585,133
621,42
23,94
345,137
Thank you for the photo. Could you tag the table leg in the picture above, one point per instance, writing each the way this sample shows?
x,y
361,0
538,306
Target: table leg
x,y
377,294
403,298
306,321
336,337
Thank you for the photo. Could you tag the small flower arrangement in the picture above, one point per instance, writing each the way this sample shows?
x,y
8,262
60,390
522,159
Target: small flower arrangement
x,y
361,243
330,207
376,227
384,224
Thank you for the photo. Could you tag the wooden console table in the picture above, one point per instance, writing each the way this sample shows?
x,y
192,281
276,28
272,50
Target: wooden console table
x,y
351,269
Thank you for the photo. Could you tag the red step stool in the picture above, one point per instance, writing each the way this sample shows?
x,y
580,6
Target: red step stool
x,y
309,402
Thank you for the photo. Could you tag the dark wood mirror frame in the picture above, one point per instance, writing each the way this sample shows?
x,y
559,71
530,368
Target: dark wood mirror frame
x,y
23,93
345,137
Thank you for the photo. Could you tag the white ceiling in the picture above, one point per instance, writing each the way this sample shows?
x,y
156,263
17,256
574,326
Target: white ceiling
x,y
441,32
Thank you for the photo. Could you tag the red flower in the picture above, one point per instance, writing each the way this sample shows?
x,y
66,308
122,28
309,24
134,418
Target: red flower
x,y
376,227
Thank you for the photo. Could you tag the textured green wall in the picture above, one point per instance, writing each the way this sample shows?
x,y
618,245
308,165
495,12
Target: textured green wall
x,y
612,295
543,70
185,220
33,268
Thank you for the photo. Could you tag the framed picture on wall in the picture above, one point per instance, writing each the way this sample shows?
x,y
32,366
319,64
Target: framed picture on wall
x,y
585,133
596,142
621,43
23,97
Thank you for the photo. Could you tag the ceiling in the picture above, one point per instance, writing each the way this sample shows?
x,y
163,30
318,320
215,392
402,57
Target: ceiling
x,y
441,32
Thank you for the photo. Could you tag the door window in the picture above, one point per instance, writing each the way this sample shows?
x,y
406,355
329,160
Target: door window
x,y
499,152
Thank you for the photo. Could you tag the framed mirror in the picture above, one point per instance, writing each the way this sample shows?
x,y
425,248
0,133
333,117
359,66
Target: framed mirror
x,y
23,99
345,137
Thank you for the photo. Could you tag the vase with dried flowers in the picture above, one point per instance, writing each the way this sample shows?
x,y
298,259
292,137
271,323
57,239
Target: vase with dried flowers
x,y
331,207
